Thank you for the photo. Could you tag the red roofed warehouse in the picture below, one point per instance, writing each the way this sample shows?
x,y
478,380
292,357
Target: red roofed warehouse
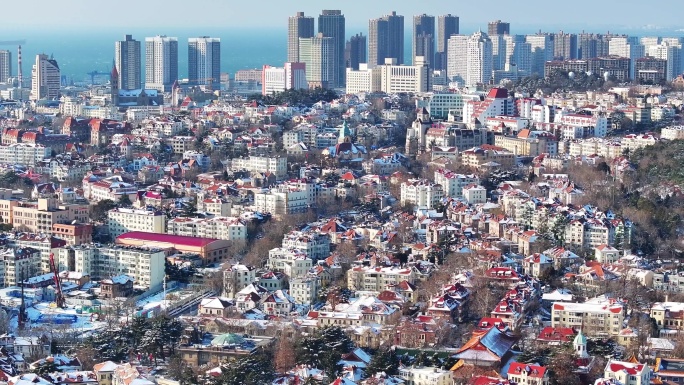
x,y
211,250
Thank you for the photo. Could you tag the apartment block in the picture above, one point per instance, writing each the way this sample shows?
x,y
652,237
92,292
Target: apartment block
x,y
422,193
262,164
228,228
595,317
123,220
145,265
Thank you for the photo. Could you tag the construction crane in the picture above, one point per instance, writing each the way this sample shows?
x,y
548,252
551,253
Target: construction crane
x,y
59,296
93,74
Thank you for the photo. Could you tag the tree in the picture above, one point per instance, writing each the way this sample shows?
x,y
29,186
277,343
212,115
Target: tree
x,y
284,357
384,360
181,371
101,208
561,371
125,201
255,369
324,349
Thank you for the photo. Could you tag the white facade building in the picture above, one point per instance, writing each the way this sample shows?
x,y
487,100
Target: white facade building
x,y
161,62
123,220
45,78
275,165
421,193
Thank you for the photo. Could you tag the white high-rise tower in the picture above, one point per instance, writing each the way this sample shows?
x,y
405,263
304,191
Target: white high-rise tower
x,y
161,62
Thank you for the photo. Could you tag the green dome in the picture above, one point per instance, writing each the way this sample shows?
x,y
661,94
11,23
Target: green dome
x,y
580,339
227,339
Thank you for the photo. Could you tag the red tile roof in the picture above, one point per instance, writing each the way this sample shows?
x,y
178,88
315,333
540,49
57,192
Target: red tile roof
x,y
167,238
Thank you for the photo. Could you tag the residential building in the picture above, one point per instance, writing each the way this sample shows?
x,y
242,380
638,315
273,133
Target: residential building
x,y
518,53
275,164
318,54
627,372
470,60
331,23
596,317
298,26
228,228
386,39
364,79
45,78
672,54
314,245
237,278
498,27
305,290
204,61
123,220
378,279
488,156
530,374
564,46
447,25
161,63
281,201
425,375
5,65
74,234
279,79
291,262
453,183
423,43
629,48
40,216
24,154
128,62
400,78
18,264
542,50
651,70
355,51
116,286
668,316
421,193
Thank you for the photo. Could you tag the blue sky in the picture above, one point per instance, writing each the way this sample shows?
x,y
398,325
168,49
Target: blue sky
x,y
550,15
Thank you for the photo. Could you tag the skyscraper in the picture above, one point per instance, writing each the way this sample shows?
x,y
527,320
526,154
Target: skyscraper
x,y
518,53
355,51
447,25
498,27
5,65
45,78
331,24
161,62
542,51
318,53
627,47
564,46
470,59
127,59
204,61
297,26
590,45
424,38
386,39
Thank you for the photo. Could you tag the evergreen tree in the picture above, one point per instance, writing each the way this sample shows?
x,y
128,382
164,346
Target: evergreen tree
x,y
385,360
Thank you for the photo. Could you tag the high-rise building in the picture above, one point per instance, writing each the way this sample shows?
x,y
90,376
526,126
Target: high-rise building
x,y
672,56
498,51
479,59
424,38
498,27
564,46
298,26
331,24
279,79
355,51
318,53
541,46
45,78
161,62
518,53
470,59
590,45
447,25
386,39
127,59
5,65
457,61
204,61
627,47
